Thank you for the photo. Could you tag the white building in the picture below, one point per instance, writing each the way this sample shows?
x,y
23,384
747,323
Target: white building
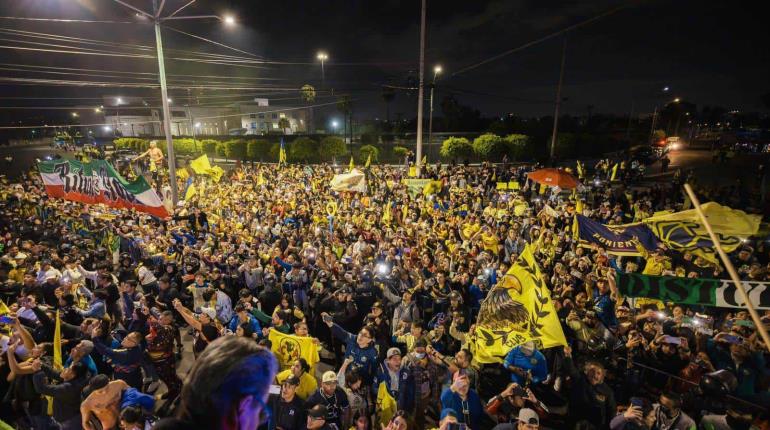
x,y
134,117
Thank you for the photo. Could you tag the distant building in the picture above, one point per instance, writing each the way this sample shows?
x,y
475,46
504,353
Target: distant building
x,y
259,118
134,117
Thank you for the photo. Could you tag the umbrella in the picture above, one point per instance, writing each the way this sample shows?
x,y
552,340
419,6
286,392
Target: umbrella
x,y
554,178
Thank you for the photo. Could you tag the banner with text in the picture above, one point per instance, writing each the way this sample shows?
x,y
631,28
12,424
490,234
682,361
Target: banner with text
x,y
98,182
693,291
616,239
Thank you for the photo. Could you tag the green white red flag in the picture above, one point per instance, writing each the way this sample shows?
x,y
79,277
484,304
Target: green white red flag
x,y
98,182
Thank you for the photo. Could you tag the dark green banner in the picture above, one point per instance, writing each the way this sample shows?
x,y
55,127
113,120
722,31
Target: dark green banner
x,y
693,291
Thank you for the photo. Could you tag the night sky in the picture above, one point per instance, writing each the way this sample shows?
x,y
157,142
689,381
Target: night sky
x,y
709,53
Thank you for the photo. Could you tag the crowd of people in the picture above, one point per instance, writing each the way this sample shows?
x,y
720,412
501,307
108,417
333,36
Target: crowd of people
x,y
168,324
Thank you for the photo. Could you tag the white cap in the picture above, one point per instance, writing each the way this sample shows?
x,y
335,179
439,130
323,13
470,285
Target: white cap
x,y
211,312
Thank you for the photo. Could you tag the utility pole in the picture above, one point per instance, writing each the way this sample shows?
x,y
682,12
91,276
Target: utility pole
x,y
421,89
166,109
558,98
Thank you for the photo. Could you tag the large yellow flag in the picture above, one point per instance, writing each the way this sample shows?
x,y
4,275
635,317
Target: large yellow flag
x,y
614,172
368,160
57,361
516,310
216,173
3,308
386,404
201,165
683,231
288,348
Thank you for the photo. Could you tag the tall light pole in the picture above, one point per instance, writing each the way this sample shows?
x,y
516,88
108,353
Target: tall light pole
x,y
157,20
322,56
558,99
655,114
436,71
421,90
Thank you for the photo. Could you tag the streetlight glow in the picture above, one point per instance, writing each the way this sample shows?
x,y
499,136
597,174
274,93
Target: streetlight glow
x,y
335,124
169,100
197,125
322,56
97,110
437,70
119,101
229,20
677,100
74,114
665,89
107,128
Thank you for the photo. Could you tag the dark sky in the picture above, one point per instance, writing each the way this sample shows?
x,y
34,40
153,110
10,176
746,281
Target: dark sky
x,y
709,53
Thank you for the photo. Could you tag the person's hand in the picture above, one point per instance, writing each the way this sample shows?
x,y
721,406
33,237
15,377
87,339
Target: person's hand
x,y
12,347
531,396
567,351
633,413
37,365
572,316
266,331
347,361
508,392
176,303
632,342
96,332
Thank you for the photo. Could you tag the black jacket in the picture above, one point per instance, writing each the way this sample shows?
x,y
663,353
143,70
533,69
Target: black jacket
x,y
66,395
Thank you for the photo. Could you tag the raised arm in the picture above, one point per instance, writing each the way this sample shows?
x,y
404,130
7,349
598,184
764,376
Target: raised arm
x,y
187,315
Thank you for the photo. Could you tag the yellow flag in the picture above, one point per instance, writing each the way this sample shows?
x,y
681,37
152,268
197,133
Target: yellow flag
x,y
683,231
513,185
352,164
404,211
3,308
413,172
424,160
386,215
57,362
191,190
281,156
216,173
516,310
386,404
614,172
579,206
502,186
182,174
368,160
543,187
579,167
261,179
288,348
201,165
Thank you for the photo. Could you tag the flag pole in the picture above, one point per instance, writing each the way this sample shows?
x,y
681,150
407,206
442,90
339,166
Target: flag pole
x,y
729,266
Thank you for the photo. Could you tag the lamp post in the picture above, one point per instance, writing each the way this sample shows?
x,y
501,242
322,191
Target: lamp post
x,y
322,56
655,114
157,20
436,71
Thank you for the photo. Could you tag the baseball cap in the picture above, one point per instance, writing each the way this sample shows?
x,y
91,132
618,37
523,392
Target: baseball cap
x,y
448,412
292,380
393,351
528,416
317,411
211,312
329,376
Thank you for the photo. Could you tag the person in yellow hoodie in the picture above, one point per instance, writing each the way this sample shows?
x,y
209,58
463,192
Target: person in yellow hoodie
x,y
656,261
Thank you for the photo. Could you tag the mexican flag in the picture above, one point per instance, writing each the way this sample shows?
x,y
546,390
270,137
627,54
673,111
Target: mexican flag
x,y
98,182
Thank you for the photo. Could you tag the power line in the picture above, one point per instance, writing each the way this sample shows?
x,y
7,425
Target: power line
x,y
542,39
154,74
21,18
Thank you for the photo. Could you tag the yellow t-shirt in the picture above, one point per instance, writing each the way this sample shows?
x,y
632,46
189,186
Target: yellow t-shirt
x,y
307,383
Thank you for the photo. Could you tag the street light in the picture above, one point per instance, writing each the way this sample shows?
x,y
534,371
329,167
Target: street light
x,y
157,20
322,56
665,89
74,114
335,124
436,70
97,110
677,100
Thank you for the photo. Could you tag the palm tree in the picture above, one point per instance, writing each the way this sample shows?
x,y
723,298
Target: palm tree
x,y
283,124
388,94
307,92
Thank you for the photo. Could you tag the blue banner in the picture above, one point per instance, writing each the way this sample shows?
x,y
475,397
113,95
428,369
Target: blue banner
x,y
616,239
